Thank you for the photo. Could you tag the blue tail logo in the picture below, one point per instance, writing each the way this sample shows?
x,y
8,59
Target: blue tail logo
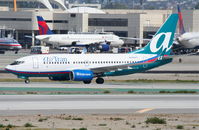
x,y
163,39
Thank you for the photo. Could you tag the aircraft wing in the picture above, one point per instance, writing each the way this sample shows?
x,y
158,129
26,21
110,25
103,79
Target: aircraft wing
x,y
88,42
118,67
136,39
175,56
43,37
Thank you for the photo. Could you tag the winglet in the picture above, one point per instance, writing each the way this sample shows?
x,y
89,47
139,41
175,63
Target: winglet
x,y
43,27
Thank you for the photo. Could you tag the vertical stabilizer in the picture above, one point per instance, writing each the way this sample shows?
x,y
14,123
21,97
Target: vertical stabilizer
x,y
181,25
43,27
163,39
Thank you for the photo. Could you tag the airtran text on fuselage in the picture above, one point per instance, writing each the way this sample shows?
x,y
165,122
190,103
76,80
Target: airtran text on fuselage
x,y
54,59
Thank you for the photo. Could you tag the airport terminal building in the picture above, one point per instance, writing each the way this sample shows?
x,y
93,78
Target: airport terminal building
x,y
125,23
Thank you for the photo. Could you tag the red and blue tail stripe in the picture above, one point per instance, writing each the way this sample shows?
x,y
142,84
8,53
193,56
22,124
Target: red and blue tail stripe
x,y
43,27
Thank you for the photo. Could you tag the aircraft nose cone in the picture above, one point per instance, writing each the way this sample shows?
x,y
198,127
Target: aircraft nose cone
x,y
9,68
20,47
122,41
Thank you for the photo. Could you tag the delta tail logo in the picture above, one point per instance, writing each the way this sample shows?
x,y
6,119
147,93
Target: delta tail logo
x,y
43,27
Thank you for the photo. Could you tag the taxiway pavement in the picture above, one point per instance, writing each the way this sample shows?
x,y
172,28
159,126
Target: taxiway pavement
x,y
116,85
97,104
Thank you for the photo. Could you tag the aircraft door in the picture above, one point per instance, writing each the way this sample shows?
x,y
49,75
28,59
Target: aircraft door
x,y
35,63
87,63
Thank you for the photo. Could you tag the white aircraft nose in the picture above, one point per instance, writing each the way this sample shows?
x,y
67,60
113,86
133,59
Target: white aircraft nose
x,y
9,68
122,42
20,47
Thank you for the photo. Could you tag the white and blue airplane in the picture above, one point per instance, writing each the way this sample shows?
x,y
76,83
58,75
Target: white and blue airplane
x,y
103,40
188,40
86,67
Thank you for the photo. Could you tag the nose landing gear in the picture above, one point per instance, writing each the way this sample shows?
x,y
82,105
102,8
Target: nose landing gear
x,y
27,81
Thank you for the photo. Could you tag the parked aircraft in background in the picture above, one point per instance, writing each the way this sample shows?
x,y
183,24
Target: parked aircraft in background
x,y
104,40
85,67
9,44
187,39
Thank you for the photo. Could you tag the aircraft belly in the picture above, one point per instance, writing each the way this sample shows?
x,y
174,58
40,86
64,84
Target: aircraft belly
x,y
5,48
41,74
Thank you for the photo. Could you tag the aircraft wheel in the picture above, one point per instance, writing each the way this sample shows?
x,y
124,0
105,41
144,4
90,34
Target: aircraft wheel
x,y
74,43
87,82
99,80
27,81
51,78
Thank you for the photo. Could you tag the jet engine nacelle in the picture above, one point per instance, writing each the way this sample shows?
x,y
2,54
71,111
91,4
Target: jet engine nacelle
x,y
81,75
104,47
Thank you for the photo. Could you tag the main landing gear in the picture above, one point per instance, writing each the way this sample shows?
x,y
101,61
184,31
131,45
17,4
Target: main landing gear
x,y
87,82
27,81
99,80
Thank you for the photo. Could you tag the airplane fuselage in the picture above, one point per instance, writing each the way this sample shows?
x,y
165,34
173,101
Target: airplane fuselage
x,y
80,39
9,44
59,65
189,39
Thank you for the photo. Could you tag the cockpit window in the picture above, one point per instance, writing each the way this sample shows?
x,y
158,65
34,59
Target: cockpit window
x,y
17,62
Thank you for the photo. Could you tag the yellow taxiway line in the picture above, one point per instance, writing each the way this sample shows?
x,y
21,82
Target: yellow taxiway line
x,y
144,110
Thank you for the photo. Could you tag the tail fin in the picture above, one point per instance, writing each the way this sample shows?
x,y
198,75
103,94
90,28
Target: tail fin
x,y
163,39
43,27
181,25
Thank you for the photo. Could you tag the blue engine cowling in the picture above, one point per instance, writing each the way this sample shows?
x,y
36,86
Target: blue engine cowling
x,y
82,75
105,47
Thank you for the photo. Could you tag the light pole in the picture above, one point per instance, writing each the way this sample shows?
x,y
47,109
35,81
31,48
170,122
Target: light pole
x,y
15,5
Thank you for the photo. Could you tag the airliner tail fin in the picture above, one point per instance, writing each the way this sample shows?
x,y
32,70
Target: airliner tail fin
x,y
163,39
43,27
181,25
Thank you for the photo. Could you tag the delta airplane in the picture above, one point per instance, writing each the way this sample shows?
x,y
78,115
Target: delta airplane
x,y
81,39
187,39
9,44
85,67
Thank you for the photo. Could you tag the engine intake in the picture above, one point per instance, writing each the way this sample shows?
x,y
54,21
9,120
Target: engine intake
x,y
104,47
